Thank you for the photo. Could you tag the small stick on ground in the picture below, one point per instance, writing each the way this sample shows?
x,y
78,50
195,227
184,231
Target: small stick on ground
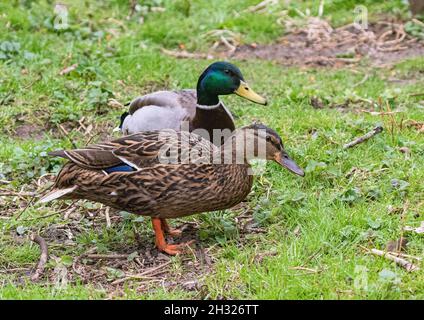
x,y
261,6
418,22
42,217
231,48
69,211
403,255
106,256
389,256
380,113
148,274
7,193
363,138
185,54
107,216
310,270
364,79
43,257
24,209
416,94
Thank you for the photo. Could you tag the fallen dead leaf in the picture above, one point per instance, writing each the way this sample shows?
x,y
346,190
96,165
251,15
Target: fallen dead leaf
x,y
68,69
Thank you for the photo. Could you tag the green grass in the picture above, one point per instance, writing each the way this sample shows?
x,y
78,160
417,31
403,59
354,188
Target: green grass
x,y
318,222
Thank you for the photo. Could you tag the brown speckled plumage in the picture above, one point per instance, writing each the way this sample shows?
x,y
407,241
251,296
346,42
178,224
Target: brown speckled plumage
x,y
163,191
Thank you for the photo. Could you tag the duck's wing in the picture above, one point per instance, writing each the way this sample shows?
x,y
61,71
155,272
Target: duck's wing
x,y
160,110
169,147
144,145
147,137
140,150
89,158
168,99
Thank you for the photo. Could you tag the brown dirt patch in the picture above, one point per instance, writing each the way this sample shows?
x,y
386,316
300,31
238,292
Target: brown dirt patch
x,y
29,131
318,44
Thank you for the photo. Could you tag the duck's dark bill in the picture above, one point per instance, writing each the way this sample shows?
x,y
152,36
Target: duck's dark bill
x,y
244,91
288,163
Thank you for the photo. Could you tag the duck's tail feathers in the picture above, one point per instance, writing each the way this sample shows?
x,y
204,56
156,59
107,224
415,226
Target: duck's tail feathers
x,y
55,194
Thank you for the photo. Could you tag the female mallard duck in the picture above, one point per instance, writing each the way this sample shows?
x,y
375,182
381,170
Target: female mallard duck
x,y
201,108
167,174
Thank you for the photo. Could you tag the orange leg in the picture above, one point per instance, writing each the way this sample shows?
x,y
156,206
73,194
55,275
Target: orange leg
x,y
161,244
171,231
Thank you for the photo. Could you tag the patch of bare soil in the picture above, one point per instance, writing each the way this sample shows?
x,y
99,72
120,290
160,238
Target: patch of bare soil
x,y
29,130
318,44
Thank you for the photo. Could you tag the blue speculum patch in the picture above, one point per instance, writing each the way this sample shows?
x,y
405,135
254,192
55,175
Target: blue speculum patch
x,y
119,168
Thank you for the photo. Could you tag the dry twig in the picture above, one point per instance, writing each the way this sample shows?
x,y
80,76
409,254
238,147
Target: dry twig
x,y
43,257
107,216
363,138
382,113
26,207
231,48
403,255
8,193
186,55
227,38
416,94
362,81
148,274
106,256
394,257
305,269
261,6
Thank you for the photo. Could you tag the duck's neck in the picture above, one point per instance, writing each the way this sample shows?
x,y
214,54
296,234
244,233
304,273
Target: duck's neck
x,y
204,98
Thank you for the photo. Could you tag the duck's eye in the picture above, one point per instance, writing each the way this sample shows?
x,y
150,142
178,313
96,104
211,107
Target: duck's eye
x,y
227,71
268,139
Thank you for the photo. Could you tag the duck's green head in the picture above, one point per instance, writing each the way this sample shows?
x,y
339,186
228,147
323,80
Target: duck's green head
x,y
222,78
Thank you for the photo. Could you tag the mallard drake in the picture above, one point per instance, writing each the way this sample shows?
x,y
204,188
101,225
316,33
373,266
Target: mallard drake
x,y
167,174
200,108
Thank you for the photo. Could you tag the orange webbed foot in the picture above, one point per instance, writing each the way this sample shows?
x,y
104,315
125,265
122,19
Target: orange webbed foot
x,y
159,226
174,249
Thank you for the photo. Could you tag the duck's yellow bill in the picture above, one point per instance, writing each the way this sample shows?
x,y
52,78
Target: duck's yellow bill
x,y
244,91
